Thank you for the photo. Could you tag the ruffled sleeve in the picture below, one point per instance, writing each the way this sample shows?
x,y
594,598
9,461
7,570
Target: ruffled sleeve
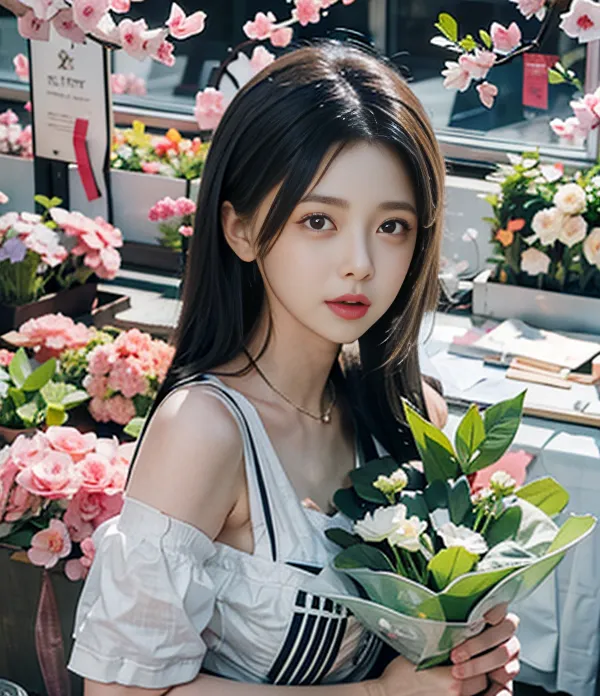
x,y
145,603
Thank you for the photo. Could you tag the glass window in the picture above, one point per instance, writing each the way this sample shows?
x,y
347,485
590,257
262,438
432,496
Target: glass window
x,y
525,103
11,43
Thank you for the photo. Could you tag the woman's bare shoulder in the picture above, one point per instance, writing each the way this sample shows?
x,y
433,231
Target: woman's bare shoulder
x,y
190,460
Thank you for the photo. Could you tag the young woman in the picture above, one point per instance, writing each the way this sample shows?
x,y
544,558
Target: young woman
x,y
319,226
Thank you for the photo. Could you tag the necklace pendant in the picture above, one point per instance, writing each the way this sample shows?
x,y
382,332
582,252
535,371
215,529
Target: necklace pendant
x,y
326,418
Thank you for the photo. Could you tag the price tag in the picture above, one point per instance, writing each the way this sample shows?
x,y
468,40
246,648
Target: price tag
x,y
535,79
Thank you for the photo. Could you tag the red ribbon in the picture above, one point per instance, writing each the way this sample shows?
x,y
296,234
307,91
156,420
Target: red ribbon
x,y
82,157
49,642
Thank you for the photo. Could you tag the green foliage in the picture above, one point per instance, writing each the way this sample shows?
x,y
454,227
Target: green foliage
x,y
47,203
363,556
505,526
449,564
486,39
448,26
134,427
546,494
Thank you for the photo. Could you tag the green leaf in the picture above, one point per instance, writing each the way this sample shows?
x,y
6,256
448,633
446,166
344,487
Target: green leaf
x,y
46,202
17,396
4,376
346,500
19,368
342,538
55,392
501,423
75,398
459,500
134,427
21,538
485,38
363,556
554,77
546,494
40,376
575,527
364,477
435,449
27,413
415,504
448,26
468,43
436,495
449,564
505,527
55,415
469,435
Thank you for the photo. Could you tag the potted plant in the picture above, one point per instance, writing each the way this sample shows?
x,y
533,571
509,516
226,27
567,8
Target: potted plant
x,y
52,262
175,220
546,237
16,161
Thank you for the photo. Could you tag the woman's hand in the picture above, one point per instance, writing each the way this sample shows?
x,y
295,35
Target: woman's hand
x,y
486,664
437,409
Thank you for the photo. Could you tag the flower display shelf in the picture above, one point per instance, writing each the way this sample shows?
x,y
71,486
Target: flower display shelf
x,y
133,194
21,584
107,306
152,256
17,182
73,302
544,309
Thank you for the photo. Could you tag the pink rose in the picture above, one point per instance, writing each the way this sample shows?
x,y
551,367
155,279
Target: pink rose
x,y
71,441
111,506
97,473
78,568
20,503
50,545
87,506
54,477
27,451
79,528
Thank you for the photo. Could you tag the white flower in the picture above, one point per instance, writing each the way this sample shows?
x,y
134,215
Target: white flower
x,y
456,76
124,151
570,199
390,485
407,535
534,262
546,224
591,247
573,230
552,172
502,483
380,524
582,21
462,536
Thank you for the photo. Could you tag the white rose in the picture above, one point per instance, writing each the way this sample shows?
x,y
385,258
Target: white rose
x,y
390,485
380,524
534,262
462,536
546,224
570,199
591,247
572,230
407,535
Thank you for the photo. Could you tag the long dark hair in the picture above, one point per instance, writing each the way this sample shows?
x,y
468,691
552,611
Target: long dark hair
x,y
276,132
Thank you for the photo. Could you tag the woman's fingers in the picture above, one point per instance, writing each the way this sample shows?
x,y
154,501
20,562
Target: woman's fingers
x,y
470,687
497,614
498,690
505,674
498,658
487,640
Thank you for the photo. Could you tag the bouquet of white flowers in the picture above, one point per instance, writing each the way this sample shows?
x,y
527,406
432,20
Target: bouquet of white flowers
x,y
429,556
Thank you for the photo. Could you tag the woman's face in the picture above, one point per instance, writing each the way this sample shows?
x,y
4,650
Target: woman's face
x,y
342,257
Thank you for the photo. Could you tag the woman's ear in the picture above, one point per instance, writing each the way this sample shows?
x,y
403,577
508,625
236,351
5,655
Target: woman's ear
x,y
237,233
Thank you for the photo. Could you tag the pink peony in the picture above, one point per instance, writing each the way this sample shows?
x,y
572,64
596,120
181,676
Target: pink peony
x,y
50,545
209,109
5,357
120,410
281,37
182,27
261,27
21,63
54,477
308,11
71,441
185,206
78,568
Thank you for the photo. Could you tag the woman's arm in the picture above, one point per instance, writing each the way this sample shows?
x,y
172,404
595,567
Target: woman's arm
x,y
437,409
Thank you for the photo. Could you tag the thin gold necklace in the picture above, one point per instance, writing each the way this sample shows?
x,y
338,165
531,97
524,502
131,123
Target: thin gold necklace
x,y
324,417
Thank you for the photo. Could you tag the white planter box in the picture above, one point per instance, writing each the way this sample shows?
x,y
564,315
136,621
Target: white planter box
x,y
17,182
543,309
133,194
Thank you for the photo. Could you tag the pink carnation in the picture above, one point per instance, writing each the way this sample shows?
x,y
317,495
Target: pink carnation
x,y
185,206
96,385
120,409
127,377
5,357
54,477
50,545
101,359
98,409
133,342
186,230
71,441
78,568
52,334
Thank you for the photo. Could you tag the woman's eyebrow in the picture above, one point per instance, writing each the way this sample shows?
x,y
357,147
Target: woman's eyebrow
x,y
341,203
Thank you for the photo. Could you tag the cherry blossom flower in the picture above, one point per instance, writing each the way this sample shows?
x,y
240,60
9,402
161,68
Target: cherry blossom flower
x,y
120,6
65,25
582,21
591,248
505,39
487,93
307,12
534,262
50,545
87,13
261,27
21,63
478,63
210,107
570,130
456,76
128,84
78,568
531,8
44,9
281,37
106,30
164,54
131,36
261,58
182,27
31,27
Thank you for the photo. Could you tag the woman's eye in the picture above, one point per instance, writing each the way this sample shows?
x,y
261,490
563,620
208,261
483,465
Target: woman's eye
x,y
318,223
395,227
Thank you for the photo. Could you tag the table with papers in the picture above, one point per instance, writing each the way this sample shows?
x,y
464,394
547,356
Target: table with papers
x,y
560,622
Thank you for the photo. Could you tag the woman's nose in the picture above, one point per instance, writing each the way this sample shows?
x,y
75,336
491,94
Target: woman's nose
x,y
358,262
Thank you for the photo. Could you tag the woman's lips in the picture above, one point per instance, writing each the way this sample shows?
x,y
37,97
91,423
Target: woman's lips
x,y
348,309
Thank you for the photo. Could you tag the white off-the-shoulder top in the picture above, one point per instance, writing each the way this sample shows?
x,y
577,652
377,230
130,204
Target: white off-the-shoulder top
x,y
163,602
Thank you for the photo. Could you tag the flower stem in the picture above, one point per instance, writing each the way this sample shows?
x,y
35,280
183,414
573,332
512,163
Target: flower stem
x,y
417,575
400,569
